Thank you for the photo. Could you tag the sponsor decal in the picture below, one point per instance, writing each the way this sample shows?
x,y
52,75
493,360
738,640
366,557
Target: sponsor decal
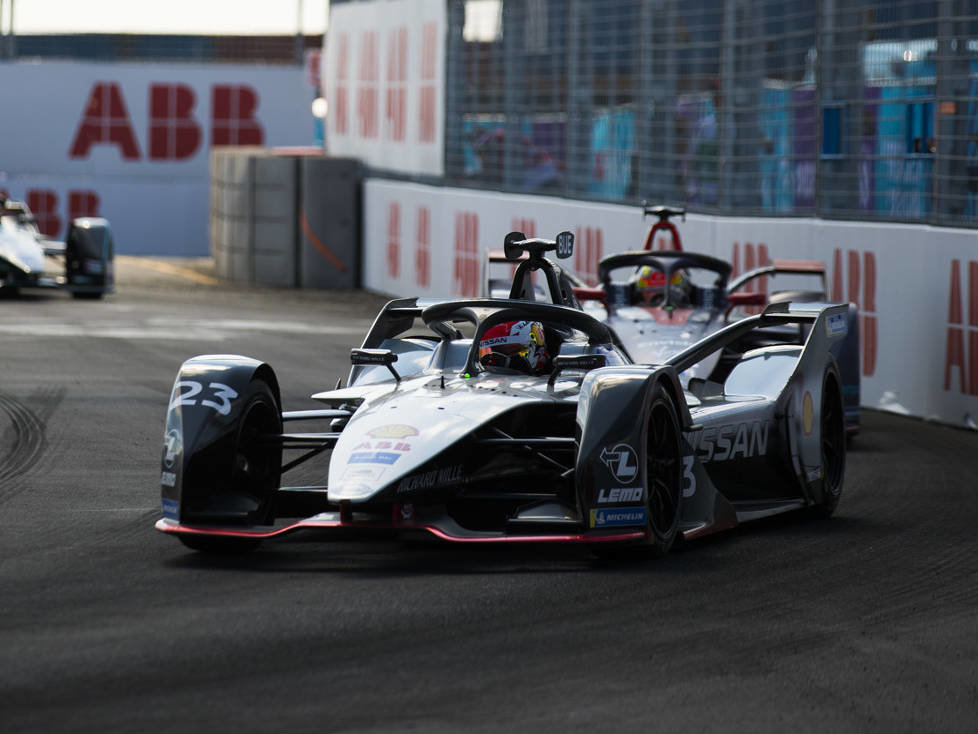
x,y
620,494
807,413
837,324
407,513
612,517
397,430
373,457
732,441
622,462
171,509
173,442
364,473
382,446
168,479
815,474
439,477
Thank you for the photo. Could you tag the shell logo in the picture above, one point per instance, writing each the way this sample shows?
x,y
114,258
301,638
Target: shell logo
x,y
807,413
393,431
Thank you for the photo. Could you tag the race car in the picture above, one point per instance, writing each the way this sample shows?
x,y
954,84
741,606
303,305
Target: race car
x,y
84,261
503,420
661,301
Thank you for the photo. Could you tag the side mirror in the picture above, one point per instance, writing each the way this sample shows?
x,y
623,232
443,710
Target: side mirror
x,y
576,362
565,245
374,358
512,252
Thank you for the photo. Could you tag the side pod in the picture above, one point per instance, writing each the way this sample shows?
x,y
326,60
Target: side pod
x,y
221,462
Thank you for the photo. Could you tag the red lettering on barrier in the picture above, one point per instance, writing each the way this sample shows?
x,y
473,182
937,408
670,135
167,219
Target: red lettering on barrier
x,y
428,88
82,204
105,121
588,251
753,258
341,113
43,203
422,255
466,254
955,358
393,239
367,76
233,119
973,292
396,83
174,134
861,290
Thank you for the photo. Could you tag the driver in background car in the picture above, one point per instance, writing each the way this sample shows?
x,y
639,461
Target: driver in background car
x,y
650,288
517,345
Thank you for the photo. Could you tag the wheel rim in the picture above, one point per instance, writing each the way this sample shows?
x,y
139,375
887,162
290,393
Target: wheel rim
x,y
833,443
663,470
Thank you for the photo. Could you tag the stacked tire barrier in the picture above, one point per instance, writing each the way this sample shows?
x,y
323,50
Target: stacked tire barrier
x,y
288,218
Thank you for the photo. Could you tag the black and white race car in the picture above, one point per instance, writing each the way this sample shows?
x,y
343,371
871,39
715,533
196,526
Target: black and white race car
x,y
83,264
502,420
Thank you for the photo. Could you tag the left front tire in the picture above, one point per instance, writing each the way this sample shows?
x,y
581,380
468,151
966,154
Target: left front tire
x,y
664,471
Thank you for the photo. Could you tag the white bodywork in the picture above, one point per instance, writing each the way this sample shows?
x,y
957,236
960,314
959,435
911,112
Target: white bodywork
x,y
20,245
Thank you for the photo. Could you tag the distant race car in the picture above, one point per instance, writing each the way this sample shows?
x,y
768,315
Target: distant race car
x,y
494,420
661,301
84,261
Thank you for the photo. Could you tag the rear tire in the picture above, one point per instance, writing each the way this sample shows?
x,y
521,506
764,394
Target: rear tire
x,y
833,444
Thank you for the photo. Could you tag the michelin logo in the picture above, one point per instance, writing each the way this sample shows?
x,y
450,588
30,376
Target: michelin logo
x,y
617,517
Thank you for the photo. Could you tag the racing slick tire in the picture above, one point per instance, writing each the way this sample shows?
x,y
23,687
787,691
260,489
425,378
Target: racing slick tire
x,y
254,469
663,461
833,444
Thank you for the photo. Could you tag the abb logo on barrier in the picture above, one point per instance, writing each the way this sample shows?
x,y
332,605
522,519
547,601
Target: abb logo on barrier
x,y
865,277
422,249
959,361
174,132
398,53
45,205
466,275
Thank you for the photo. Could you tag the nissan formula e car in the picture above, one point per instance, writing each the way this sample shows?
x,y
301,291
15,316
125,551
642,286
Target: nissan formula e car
x,y
86,257
443,429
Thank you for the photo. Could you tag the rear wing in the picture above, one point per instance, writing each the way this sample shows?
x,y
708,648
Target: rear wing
x,y
832,318
814,268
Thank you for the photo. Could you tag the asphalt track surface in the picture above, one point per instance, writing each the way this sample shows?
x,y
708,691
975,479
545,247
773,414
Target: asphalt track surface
x,y
865,622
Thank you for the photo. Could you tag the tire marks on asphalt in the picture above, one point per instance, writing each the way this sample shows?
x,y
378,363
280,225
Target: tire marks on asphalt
x,y
24,436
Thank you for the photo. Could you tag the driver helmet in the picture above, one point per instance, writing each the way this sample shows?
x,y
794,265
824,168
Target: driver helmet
x,y
650,282
519,345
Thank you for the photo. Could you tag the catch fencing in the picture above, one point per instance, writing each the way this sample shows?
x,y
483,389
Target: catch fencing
x,y
859,110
